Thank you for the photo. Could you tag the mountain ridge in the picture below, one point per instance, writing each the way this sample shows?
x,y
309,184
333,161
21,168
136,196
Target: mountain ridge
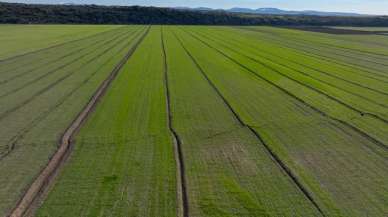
x,y
275,11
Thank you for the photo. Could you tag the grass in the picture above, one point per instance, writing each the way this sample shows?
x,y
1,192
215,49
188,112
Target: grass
x,y
203,122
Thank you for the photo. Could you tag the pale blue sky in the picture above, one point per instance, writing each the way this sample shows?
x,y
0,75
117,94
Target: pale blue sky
x,y
360,6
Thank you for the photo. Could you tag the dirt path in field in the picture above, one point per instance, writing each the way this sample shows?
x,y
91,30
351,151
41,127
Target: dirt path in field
x,y
182,195
40,186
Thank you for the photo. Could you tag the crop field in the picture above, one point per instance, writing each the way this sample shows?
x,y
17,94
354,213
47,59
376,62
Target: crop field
x,y
193,121
41,93
373,29
13,37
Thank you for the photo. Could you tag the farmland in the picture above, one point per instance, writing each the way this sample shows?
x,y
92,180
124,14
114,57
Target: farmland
x,y
195,121
41,93
373,29
41,36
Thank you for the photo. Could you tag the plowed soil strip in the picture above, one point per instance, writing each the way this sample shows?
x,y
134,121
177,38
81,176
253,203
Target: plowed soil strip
x,y
274,156
183,209
49,172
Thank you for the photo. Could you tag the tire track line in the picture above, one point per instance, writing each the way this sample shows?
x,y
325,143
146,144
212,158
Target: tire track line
x,y
14,140
359,131
179,158
48,174
273,155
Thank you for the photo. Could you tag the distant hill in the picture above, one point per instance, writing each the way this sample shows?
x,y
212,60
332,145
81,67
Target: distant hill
x,y
276,11
92,14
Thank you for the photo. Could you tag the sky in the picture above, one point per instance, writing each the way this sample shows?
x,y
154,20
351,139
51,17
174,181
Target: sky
x,y
358,6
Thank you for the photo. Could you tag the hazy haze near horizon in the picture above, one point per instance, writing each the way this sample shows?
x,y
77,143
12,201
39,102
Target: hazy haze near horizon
x,y
358,6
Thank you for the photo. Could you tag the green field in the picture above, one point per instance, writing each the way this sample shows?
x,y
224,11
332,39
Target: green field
x,y
373,29
13,37
200,121
41,93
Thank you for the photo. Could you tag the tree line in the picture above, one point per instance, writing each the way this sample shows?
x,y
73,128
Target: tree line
x,y
16,13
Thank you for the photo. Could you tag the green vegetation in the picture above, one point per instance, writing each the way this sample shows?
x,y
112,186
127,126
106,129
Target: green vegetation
x,y
300,119
41,93
203,121
123,162
219,149
13,37
369,29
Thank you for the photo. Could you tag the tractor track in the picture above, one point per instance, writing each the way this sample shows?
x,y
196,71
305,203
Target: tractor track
x,y
179,158
48,174
273,155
